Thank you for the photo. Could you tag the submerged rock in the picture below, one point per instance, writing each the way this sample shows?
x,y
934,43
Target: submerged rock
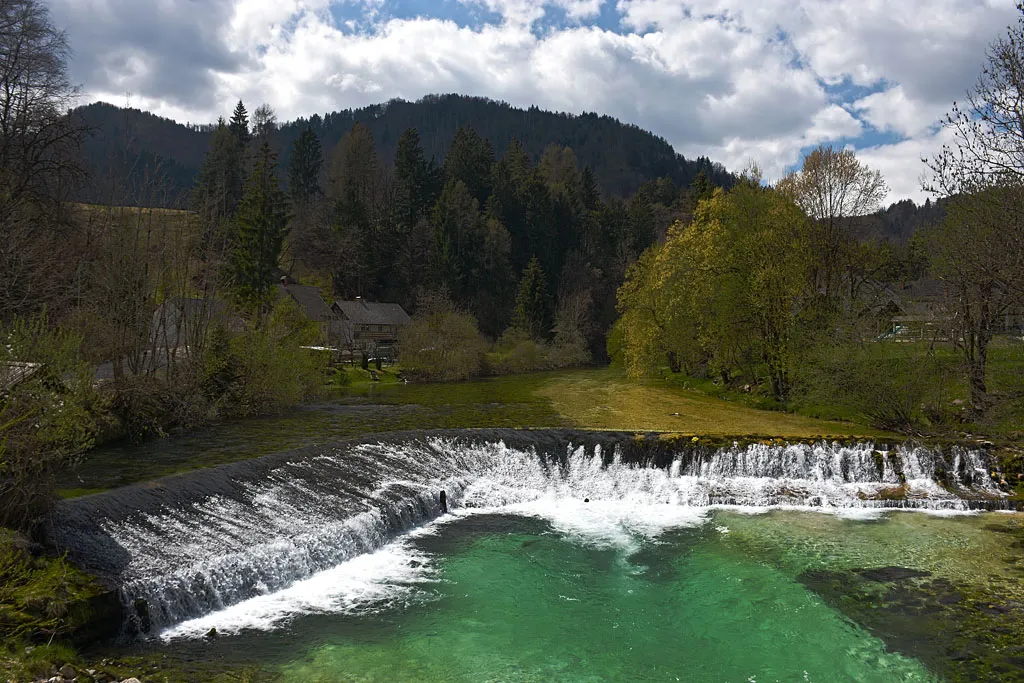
x,y
957,630
890,574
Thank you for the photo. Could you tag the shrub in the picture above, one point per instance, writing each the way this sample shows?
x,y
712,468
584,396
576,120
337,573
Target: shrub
x,y
442,345
48,415
893,388
272,369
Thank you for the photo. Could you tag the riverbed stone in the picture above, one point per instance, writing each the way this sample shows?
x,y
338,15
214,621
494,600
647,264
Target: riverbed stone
x,y
962,632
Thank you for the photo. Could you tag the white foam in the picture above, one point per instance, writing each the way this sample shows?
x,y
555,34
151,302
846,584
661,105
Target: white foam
x,y
946,513
389,576
616,523
859,514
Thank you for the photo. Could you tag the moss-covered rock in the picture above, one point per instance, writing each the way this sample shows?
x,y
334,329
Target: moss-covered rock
x,y
42,598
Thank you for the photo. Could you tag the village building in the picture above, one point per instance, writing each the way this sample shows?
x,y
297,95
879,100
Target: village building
x,y
372,326
181,322
313,306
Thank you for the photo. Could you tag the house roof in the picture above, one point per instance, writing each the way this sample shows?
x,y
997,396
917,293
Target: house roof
x,y
925,288
13,372
309,300
371,313
177,318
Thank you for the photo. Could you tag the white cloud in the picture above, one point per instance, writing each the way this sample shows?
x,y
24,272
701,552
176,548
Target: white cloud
x,y
902,164
892,110
728,79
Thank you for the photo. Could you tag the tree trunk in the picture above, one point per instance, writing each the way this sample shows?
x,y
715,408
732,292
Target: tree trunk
x,y
976,366
673,362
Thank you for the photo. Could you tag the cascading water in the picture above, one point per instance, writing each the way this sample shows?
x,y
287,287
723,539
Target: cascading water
x,y
181,553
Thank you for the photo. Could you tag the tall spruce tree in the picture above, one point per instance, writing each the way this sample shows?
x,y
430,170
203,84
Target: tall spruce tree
x,y
412,180
260,226
304,168
219,190
470,159
589,194
240,125
533,311
456,223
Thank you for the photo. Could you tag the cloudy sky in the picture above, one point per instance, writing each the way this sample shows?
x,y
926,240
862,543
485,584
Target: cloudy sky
x,y
735,80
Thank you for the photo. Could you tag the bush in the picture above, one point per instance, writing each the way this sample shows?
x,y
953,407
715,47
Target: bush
x,y
897,388
271,368
48,415
442,345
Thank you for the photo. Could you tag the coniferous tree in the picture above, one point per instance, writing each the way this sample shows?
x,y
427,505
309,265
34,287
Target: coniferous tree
x,y
355,192
533,311
304,168
412,180
239,125
221,180
260,225
589,194
538,235
470,159
456,225
505,202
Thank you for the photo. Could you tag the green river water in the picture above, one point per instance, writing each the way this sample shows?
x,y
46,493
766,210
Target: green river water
x,y
571,592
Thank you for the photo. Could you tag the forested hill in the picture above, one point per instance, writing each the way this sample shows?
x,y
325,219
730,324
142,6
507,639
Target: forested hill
x,y
126,144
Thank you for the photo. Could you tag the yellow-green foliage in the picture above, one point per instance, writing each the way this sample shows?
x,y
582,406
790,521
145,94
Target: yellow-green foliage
x,y
443,345
721,294
273,369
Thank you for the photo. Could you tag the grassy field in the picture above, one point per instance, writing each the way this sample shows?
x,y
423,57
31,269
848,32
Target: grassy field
x,y
607,399
596,398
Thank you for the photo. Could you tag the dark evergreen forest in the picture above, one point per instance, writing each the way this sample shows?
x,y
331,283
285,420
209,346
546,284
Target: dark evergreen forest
x,y
126,145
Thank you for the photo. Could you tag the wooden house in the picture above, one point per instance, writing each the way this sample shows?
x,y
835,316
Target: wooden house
x,y
370,324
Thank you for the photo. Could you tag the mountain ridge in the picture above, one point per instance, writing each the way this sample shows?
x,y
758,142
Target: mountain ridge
x,y
127,145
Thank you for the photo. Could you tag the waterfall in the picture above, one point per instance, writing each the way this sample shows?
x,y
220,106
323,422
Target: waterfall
x,y
207,540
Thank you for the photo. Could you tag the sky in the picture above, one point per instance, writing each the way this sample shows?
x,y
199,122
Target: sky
x,y
734,80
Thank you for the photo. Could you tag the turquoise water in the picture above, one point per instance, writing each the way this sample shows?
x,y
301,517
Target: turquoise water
x,y
607,593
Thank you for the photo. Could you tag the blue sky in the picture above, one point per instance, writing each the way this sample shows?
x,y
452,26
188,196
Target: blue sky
x,y
734,80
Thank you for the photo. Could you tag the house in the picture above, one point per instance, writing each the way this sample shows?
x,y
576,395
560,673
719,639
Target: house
x,y
309,301
921,311
928,310
179,325
181,322
371,324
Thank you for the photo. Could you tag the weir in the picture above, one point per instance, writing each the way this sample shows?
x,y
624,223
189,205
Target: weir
x,y
186,545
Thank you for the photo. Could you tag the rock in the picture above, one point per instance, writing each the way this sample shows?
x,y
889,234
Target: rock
x,y
131,680
211,634
68,672
890,574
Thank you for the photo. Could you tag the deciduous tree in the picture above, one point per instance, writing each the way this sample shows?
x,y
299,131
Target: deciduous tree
x,y
833,187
